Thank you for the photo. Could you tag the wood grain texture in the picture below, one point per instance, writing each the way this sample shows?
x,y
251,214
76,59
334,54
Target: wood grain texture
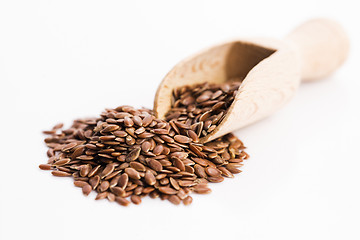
x,y
322,45
272,70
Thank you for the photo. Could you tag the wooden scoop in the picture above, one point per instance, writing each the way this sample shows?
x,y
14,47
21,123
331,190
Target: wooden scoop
x,y
271,69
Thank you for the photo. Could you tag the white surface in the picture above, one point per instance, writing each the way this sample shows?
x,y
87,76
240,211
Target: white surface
x,y
60,60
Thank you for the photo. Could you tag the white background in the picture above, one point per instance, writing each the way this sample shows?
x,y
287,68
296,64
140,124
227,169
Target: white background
x,y
60,60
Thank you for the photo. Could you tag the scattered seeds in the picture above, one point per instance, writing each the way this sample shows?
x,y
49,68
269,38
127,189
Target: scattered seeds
x,y
127,152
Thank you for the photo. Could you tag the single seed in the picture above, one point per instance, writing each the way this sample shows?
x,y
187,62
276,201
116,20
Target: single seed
x,y
179,164
138,166
123,181
174,199
80,183
68,147
122,201
174,183
60,174
94,181
212,172
225,172
135,199
101,195
107,170
156,165
187,200
110,196
150,178
132,173
104,186
86,189
118,191
45,167
110,128
200,171
84,170
137,120
182,139
202,190
167,190
133,155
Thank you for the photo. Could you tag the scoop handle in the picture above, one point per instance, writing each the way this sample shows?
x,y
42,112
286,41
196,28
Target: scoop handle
x,y
322,45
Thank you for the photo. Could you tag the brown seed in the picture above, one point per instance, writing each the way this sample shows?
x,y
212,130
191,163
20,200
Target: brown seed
x,y
164,181
118,191
62,162
122,201
167,190
154,194
107,138
101,195
187,200
86,189
216,94
225,172
128,122
107,170
200,171
174,183
200,161
167,139
186,183
145,146
212,172
160,131
85,157
132,173
137,120
110,196
181,194
68,147
174,199
135,199
110,128
123,181
84,170
94,181
115,180
60,174
150,178
78,151
138,166
233,169
156,165
138,190
193,136
104,186
133,155
202,190
215,179
158,149
45,167
182,139
147,120
94,171
129,140
179,164
120,134
204,97
80,183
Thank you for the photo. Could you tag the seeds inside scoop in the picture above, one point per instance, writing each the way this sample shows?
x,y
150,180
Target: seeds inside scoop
x,y
129,153
203,115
